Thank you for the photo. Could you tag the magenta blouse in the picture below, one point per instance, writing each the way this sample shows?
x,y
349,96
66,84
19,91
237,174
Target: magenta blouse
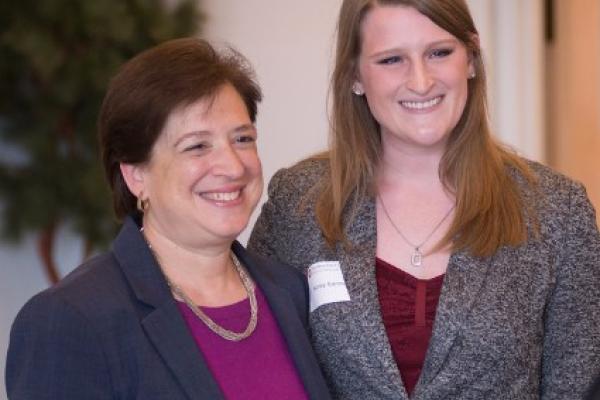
x,y
258,367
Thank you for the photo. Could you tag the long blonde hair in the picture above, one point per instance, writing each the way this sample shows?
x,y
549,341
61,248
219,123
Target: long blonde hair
x,y
489,209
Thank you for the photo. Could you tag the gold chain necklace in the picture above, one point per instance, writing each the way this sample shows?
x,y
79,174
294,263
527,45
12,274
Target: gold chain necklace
x,y
212,325
416,259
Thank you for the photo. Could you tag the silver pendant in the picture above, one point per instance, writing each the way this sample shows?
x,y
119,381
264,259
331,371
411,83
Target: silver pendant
x,y
417,258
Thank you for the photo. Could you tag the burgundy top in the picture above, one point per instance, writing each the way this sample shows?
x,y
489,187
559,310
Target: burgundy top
x,y
258,367
408,308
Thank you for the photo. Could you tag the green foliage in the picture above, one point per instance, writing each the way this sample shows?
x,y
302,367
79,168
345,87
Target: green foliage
x,y
56,58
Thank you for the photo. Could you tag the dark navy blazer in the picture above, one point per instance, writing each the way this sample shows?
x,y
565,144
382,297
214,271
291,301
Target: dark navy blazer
x,y
112,330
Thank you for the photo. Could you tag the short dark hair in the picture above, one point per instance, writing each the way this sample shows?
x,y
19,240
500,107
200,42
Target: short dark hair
x,y
148,88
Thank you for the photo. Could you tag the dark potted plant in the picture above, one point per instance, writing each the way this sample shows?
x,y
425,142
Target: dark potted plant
x,y
56,58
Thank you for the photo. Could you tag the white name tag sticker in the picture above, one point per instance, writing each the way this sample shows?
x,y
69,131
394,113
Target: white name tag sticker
x,y
326,284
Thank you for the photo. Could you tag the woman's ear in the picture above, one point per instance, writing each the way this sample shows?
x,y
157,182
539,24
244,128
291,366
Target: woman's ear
x,y
474,49
133,174
357,88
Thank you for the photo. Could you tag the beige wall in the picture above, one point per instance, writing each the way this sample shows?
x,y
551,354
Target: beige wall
x,y
289,43
574,86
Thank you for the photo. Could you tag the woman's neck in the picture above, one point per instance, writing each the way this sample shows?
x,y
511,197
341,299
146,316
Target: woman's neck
x,y
207,275
414,168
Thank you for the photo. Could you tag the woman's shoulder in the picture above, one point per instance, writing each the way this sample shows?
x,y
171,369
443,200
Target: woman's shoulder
x,y
301,176
278,272
554,195
89,288
546,182
558,188
550,179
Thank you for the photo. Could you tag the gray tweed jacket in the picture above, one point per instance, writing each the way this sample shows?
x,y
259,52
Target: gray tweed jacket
x,y
521,325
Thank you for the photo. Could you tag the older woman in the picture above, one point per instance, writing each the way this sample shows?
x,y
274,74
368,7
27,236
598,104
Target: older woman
x,y
441,265
177,309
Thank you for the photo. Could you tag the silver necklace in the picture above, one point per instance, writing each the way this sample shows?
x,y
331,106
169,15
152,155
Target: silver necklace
x,y
212,325
416,259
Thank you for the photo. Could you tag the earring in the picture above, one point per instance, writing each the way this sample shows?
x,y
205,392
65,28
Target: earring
x,y
357,89
142,205
472,75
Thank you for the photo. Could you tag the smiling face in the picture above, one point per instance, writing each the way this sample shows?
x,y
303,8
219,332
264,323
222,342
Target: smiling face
x,y
414,75
204,177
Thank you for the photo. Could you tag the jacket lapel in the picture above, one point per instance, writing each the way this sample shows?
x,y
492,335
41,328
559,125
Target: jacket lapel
x,y
163,322
358,268
167,331
292,329
463,282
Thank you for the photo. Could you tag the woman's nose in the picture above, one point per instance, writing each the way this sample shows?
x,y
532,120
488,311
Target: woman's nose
x,y
228,162
419,80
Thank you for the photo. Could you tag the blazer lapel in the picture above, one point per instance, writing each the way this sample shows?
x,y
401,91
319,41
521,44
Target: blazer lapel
x,y
163,322
463,282
358,267
167,331
292,329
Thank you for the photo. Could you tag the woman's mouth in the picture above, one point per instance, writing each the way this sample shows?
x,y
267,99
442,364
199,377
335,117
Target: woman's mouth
x,y
222,196
422,105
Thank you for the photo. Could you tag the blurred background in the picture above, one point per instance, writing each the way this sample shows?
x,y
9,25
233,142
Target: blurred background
x,y
543,60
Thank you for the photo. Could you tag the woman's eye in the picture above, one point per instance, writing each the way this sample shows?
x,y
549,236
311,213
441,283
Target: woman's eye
x,y
390,60
441,53
246,139
196,146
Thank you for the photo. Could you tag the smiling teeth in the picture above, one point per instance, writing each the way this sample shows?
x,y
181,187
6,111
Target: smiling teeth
x,y
419,105
221,196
